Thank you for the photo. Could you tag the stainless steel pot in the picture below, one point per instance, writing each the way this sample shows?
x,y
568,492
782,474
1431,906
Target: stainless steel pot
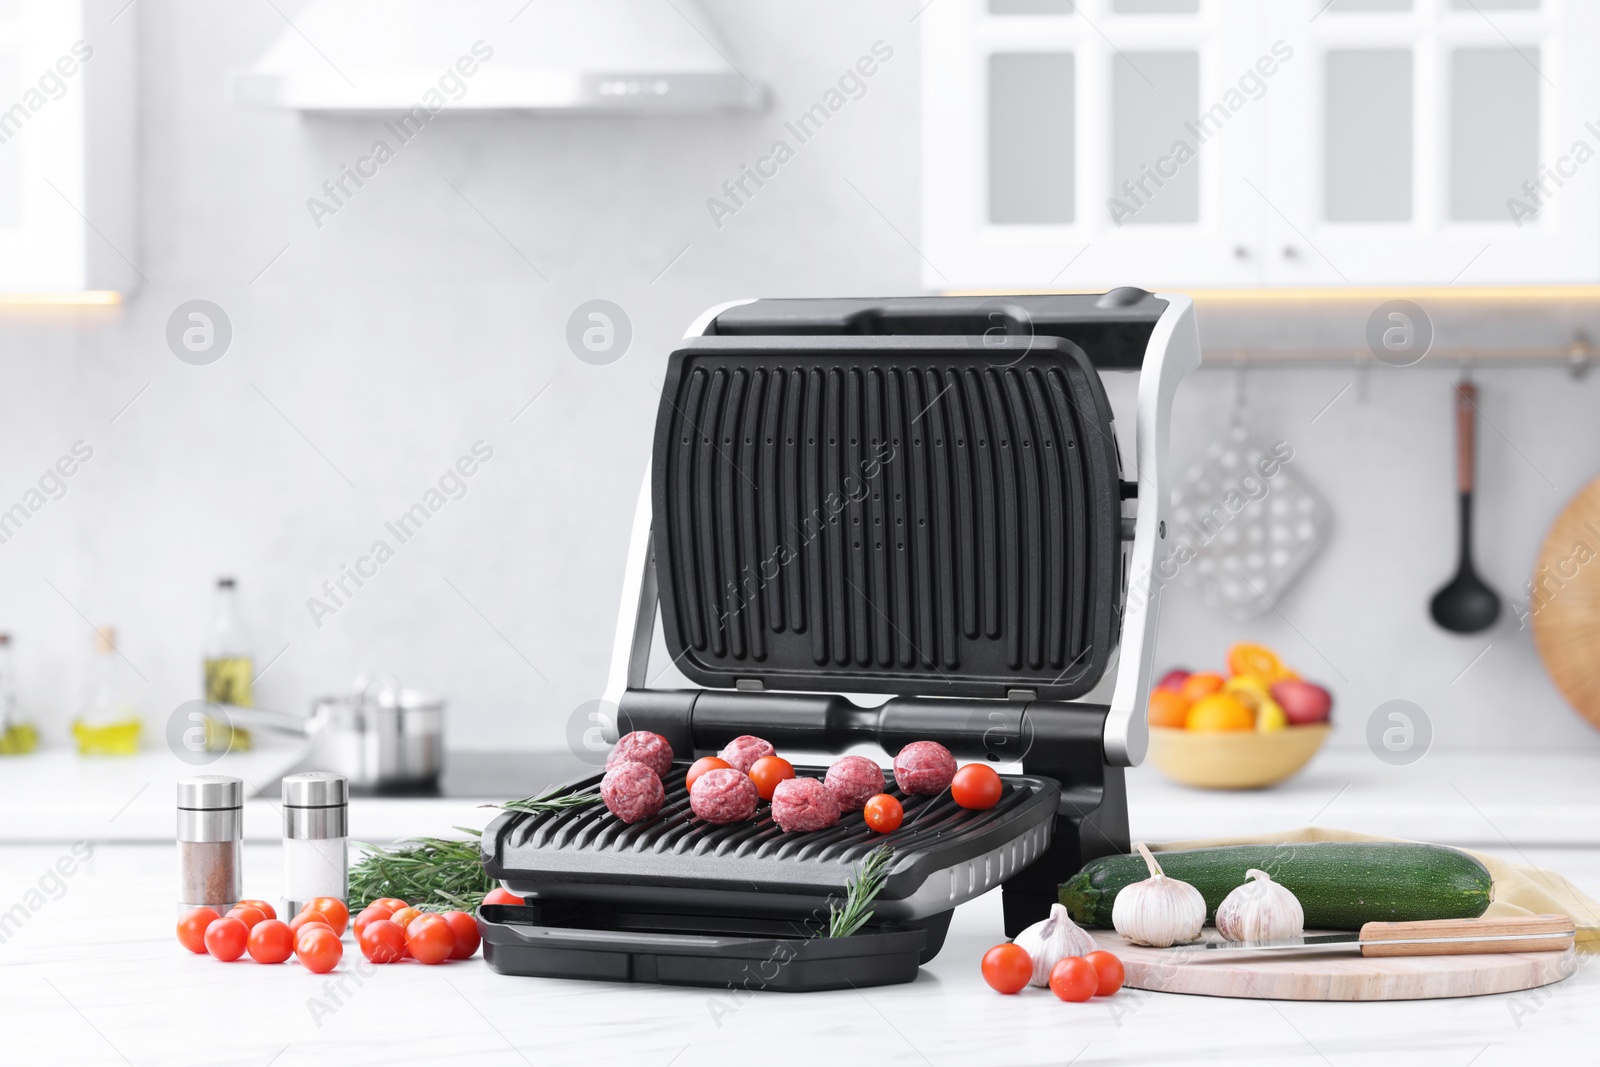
x,y
395,738
379,735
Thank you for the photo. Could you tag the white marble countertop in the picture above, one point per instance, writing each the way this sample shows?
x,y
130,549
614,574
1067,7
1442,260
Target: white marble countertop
x,y
83,989
1463,797
1450,796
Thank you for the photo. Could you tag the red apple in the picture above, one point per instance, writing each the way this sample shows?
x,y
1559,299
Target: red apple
x,y
1173,680
1303,703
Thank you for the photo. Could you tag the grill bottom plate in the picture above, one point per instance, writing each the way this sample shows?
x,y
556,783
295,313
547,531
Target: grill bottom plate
x,y
944,854
576,939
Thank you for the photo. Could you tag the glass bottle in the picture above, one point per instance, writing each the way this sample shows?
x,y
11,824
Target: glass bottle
x,y
229,669
17,736
109,723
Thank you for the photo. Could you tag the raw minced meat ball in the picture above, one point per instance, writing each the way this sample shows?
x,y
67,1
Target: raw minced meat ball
x,y
632,791
724,796
804,804
924,768
743,751
853,780
644,747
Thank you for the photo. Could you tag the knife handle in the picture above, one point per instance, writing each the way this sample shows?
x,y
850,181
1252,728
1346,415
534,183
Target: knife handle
x,y
1540,933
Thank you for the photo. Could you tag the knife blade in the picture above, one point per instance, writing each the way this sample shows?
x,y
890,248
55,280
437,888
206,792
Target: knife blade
x,y
1434,937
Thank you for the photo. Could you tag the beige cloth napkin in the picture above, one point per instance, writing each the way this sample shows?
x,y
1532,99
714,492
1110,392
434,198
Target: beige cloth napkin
x,y
1519,889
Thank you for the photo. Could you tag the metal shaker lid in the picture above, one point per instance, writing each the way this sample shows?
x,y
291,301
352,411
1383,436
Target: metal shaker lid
x,y
206,792
315,789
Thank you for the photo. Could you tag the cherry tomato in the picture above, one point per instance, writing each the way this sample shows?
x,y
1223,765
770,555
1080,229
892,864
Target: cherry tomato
x,y
307,918
382,941
246,914
1007,968
465,927
393,904
883,813
976,786
332,909
192,929
371,913
430,938
225,938
767,772
318,949
271,941
1074,978
1109,969
403,917
701,766
260,905
500,895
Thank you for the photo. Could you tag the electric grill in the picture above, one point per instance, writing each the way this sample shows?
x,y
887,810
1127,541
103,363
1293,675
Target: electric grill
x,y
918,497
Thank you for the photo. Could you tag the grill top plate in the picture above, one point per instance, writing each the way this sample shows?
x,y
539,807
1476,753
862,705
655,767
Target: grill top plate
x,y
905,515
576,852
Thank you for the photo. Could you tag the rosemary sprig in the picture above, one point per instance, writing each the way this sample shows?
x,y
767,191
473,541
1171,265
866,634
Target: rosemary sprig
x,y
430,872
860,891
440,873
554,800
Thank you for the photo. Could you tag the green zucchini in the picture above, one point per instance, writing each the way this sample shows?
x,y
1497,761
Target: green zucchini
x,y
1340,885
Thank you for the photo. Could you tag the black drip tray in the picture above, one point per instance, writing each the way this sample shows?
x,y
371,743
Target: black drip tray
x,y
582,939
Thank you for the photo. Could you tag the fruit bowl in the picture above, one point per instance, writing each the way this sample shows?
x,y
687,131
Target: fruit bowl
x,y
1234,759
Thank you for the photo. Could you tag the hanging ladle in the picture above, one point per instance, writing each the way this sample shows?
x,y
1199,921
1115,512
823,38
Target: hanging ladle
x,y
1467,604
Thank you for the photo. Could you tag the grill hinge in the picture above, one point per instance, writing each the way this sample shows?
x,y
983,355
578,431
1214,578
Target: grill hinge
x,y
1022,694
748,685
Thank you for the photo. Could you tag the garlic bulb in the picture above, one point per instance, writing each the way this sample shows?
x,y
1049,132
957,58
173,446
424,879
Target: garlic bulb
x,y
1158,911
1260,910
1049,941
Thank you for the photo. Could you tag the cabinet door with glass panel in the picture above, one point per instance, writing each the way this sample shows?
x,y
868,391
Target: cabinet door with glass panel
x,y
1435,142
1204,143
1094,142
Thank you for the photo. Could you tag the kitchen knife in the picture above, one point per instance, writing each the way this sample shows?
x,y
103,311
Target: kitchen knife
x,y
1436,937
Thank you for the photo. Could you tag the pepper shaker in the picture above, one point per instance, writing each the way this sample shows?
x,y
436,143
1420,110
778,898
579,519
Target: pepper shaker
x,y
210,834
316,822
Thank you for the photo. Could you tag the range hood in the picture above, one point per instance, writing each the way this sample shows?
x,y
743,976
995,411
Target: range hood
x,y
567,56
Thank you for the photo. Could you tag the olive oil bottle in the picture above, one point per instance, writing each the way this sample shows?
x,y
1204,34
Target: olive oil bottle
x,y
17,735
229,668
109,724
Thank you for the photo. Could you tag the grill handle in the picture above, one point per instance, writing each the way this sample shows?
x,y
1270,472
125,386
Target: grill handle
x,y
703,720
1054,739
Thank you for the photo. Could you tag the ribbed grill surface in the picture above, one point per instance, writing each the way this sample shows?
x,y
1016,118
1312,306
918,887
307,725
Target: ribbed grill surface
x,y
929,821
915,517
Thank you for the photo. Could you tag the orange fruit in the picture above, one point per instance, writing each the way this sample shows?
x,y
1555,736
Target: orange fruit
x,y
1220,712
1168,709
1256,661
1201,684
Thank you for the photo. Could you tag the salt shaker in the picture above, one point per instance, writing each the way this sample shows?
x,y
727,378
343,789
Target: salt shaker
x,y
316,822
210,833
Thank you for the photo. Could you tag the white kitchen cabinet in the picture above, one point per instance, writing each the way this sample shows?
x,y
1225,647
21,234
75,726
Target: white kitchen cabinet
x,y
67,132
1227,143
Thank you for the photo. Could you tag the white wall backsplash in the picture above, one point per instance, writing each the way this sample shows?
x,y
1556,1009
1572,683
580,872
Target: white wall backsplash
x,y
1383,456
377,349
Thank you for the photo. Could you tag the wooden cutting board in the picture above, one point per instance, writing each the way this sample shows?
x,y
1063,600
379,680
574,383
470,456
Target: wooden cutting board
x,y
1333,975
1565,602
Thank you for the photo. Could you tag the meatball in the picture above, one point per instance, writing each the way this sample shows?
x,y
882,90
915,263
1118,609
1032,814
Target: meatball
x,y
854,780
742,752
924,768
644,747
632,791
803,804
724,796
